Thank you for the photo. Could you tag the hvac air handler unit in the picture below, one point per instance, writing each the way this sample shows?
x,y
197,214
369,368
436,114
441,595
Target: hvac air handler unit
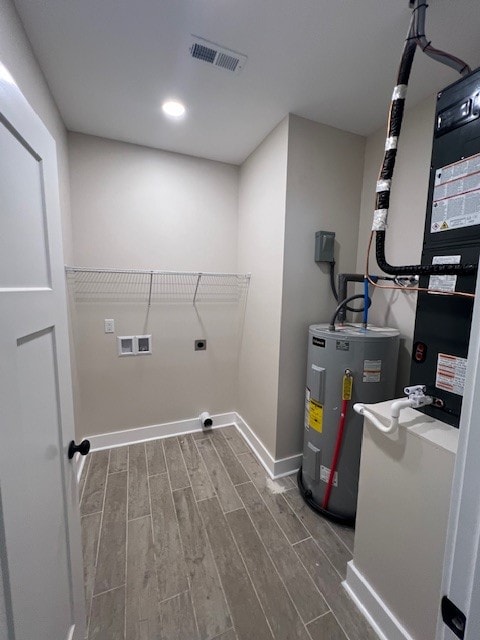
x,y
452,235
345,365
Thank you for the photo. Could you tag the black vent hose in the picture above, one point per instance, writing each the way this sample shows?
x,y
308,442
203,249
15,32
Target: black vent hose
x,y
397,108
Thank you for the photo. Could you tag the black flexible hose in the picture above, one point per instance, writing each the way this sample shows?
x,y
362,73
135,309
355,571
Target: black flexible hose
x,y
307,495
335,292
332,281
343,304
382,202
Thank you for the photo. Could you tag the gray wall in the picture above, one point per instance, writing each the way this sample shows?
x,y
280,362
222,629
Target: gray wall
x,y
261,233
17,55
140,208
3,614
303,177
405,222
324,181
136,207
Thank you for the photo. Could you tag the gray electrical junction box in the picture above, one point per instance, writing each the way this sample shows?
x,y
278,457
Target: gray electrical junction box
x,y
324,246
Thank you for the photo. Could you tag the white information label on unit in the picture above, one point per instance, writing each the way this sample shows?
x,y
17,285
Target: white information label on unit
x,y
451,372
307,407
456,196
325,474
444,283
372,370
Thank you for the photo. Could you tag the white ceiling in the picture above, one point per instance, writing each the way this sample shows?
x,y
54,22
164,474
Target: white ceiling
x,y
111,63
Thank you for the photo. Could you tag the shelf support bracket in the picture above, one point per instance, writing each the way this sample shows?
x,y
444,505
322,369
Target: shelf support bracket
x,y
199,277
150,289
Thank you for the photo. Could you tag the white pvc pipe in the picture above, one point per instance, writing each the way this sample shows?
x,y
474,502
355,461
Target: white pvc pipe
x,y
363,411
206,420
416,399
397,406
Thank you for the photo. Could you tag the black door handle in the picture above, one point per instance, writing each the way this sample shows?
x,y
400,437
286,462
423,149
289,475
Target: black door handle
x,y
455,619
83,448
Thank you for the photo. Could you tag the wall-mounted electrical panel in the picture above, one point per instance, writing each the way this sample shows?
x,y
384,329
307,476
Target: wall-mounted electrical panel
x,y
452,235
134,345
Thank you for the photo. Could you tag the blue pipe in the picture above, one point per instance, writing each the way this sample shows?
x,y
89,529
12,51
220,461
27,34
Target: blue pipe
x,y
365,302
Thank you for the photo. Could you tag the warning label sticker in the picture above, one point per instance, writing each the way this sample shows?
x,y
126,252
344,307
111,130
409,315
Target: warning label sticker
x,y
444,283
451,372
315,416
372,370
456,196
325,475
347,385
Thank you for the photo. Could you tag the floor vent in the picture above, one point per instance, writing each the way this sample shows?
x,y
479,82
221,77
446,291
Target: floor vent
x,y
216,55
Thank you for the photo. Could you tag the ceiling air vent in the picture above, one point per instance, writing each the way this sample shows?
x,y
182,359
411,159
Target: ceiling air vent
x,y
216,55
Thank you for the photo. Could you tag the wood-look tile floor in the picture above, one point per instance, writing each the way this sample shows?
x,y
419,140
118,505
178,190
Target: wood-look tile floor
x,y
188,539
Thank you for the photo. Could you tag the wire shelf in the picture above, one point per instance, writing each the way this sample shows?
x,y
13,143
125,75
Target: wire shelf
x,y
153,287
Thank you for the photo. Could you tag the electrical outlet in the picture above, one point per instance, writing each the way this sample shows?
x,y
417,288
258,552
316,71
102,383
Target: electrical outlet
x,y
200,345
109,325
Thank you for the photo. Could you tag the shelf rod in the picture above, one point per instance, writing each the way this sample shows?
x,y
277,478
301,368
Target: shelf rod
x,y
155,272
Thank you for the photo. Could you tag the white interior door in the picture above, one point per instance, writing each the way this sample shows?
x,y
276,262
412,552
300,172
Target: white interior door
x,y
40,552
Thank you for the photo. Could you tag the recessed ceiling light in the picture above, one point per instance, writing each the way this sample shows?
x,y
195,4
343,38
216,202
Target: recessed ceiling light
x,y
173,108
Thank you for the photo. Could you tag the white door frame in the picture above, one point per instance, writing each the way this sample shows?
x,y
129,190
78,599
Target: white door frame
x,y
461,572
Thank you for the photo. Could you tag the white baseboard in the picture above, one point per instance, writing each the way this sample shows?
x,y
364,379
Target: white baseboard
x,y
287,466
156,431
373,607
275,468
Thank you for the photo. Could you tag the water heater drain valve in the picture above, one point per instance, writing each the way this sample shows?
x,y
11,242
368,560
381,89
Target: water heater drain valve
x,y
416,398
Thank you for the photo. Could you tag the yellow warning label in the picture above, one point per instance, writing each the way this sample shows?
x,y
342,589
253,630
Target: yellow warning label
x,y
315,417
444,225
347,388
